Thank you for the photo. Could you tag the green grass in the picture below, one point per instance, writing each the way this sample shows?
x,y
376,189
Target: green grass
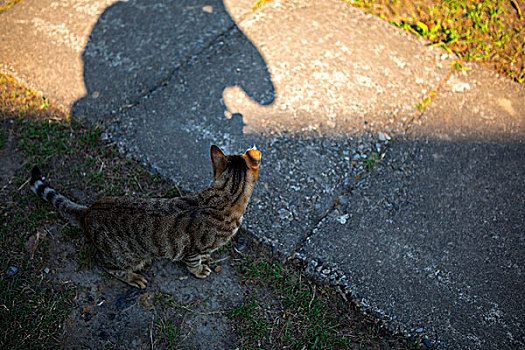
x,y
372,160
490,32
170,332
425,101
259,4
31,311
299,313
2,139
72,156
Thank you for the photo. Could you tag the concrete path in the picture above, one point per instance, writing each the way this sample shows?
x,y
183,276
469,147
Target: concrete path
x,y
430,240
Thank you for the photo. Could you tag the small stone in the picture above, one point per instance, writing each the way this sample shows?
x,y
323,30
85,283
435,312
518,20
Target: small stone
x,y
381,136
241,244
217,269
284,214
12,270
419,330
46,270
342,219
207,9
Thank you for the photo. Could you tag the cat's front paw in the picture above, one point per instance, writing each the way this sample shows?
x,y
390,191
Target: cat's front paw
x,y
205,272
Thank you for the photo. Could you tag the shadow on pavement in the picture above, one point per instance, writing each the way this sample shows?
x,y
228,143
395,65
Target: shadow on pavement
x,y
136,47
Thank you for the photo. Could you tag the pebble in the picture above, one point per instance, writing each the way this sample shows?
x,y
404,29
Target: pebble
x,y
217,269
284,214
12,270
382,136
241,244
342,219
46,270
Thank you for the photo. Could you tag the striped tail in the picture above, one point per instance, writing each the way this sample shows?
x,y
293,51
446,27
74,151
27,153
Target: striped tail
x,y
64,206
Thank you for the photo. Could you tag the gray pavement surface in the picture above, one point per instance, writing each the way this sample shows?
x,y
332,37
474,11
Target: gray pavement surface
x,y
431,240
434,236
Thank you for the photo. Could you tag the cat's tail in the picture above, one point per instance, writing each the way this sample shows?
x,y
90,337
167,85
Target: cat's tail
x,y
63,205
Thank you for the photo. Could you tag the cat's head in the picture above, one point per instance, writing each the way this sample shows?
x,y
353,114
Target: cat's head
x,y
249,162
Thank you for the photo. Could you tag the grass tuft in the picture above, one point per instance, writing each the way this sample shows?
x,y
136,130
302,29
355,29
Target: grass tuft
x,y
287,311
490,32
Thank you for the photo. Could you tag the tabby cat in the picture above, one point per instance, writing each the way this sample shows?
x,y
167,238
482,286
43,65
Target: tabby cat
x,y
129,232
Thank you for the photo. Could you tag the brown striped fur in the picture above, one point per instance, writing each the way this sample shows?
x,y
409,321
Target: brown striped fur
x,y
130,232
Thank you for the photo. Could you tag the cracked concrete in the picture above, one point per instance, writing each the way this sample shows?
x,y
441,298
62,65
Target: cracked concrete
x,y
433,238
323,90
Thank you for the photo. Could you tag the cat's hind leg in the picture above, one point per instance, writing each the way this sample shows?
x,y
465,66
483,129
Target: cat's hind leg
x,y
132,278
126,275
195,265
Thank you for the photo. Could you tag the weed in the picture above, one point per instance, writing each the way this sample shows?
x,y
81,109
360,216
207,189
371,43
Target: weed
x,y
166,299
156,178
170,332
305,316
372,160
91,136
259,3
171,192
423,104
458,65
45,103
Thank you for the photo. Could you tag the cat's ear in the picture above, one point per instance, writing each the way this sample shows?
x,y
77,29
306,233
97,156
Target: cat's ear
x,y
254,157
218,161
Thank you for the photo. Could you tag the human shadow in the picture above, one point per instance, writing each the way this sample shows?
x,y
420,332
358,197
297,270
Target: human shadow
x,y
137,47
